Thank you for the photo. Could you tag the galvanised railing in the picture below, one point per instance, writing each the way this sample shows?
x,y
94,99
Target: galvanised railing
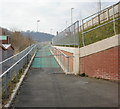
x,y
17,65
75,35
11,60
99,32
101,16
65,61
69,36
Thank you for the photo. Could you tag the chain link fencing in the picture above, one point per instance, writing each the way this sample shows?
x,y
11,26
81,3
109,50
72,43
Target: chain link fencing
x,y
68,37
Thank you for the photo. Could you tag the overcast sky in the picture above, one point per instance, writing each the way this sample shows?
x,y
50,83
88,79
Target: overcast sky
x,y
22,15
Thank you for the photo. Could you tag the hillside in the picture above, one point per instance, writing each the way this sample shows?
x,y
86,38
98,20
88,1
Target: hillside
x,y
38,36
15,39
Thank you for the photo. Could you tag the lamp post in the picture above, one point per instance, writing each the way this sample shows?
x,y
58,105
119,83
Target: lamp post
x,y
71,16
37,24
99,10
99,4
51,31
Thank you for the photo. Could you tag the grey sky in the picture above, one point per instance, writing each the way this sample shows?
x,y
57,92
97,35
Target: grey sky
x,y
23,14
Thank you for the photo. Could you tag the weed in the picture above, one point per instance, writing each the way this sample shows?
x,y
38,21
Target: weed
x,y
83,75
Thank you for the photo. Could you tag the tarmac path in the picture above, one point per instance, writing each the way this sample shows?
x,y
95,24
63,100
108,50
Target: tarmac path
x,y
46,85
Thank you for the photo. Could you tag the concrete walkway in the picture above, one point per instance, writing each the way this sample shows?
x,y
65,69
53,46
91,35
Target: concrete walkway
x,y
50,87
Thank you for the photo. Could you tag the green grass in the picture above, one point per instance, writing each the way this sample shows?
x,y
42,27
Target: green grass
x,y
101,33
98,34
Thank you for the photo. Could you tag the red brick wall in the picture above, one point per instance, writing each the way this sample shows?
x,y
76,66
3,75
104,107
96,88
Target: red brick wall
x,y
103,64
70,60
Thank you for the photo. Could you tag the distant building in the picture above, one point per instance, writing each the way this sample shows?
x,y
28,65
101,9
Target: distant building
x,y
6,49
4,39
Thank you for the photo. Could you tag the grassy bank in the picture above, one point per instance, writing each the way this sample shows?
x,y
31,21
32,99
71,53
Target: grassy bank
x,y
96,34
100,33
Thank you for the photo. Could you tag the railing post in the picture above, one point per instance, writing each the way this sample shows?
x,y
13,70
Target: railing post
x,y
9,76
99,17
114,28
83,41
108,14
6,86
61,58
65,63
17,71
68,63
22,65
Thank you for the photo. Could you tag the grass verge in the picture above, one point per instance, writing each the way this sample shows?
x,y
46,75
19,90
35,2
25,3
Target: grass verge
x,y
12,85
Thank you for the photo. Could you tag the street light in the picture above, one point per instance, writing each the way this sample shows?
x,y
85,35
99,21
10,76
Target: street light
x,y
37,24
99,5
71,16
51,31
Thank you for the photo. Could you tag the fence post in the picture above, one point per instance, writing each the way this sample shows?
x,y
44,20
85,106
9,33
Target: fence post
x,y
69,35
74,36
9,76
6,85
99,17
114,20
64,62
83,34
108,14
17,71
61,58
68,63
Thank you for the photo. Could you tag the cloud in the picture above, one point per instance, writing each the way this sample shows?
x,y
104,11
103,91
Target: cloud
x,y
53,14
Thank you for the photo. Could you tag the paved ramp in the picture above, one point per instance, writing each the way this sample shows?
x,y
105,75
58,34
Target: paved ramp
x,y
46,86
44,59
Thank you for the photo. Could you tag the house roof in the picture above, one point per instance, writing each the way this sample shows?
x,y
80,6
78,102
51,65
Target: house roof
x,y
6,46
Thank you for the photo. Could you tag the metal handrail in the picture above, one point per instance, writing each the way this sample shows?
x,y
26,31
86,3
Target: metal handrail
x,y
100,25
101,11
64,54
16,62
15,55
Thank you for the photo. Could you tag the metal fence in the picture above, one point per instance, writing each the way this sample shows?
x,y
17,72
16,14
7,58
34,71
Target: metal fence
x,y
100,32
17,64
101,16
10,61
65,61
70,36
76,35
